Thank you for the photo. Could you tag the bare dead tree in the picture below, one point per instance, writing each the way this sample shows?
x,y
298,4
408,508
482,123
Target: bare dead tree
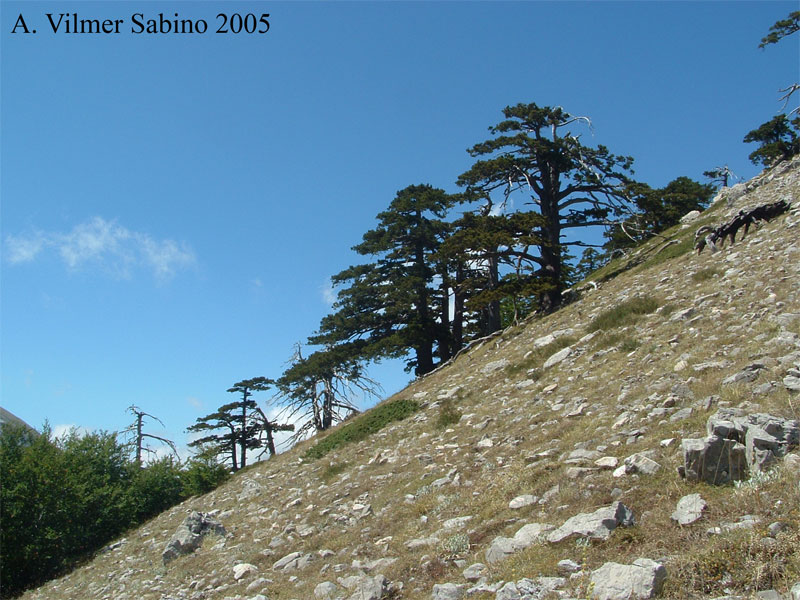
x,y
139,435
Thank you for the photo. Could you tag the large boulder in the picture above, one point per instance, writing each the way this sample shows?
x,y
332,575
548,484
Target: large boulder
x,y
643,579
714,460
737,444
189,535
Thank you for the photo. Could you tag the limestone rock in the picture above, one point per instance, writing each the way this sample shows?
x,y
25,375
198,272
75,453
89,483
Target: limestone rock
x,y
595,526
250,490
474,572
189,535
557,357
448,591
327,591
526,536
690,508
243,570
364,587
641,463
714,460
522,501
737,444
614,581
292,561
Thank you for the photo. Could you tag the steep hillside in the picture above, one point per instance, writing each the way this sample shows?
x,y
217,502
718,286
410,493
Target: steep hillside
x,y
533,427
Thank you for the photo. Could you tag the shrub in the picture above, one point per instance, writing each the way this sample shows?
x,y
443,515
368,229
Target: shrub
x,y
448,414
363,426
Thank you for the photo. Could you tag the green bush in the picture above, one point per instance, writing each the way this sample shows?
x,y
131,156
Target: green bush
x,y
363,426
203,474
63,499
156,487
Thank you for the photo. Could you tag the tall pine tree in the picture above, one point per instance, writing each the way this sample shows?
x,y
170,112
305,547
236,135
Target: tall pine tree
x,y
534,152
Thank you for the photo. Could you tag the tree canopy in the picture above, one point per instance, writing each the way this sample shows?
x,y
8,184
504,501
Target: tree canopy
x,y
534,153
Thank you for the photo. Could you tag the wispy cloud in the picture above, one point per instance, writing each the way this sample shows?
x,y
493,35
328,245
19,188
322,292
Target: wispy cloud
x,y
328,293
103,243
66,429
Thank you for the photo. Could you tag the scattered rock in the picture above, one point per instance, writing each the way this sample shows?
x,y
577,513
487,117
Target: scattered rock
x,y
526,536
522,501
327,591
250,489
189,535
614,581
448,591
557,357
690,509
594,526
475,571
292,561
243,570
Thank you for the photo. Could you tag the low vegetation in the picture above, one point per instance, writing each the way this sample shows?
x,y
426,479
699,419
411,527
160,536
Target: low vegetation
x,y
362,426
625,313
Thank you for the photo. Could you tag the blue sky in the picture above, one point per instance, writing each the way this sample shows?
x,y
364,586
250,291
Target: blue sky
x,y
173,205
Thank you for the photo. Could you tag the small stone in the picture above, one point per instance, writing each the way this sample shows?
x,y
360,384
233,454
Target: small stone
x,y
448,591
475,571
690,509
567,567
522,501
243,570
607,462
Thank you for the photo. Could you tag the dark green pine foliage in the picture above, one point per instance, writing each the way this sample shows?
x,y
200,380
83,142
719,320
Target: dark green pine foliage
x,y
781,29
498,265
399,302
533,152
243,423
777,138
656,210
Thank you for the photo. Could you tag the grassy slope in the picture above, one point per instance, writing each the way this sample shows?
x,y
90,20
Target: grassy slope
x,y
503,394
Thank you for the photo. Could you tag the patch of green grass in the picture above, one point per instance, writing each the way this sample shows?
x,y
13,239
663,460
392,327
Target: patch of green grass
x,y
333,470
706,274
363,426
683,246
626,313
622,341
448,414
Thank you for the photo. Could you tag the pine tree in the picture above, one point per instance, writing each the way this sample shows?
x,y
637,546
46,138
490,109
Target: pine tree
x,y
400,301
534,153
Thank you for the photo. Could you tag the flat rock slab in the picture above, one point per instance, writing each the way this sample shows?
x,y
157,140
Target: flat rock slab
x,y
526,536
643,579
690,509
594,526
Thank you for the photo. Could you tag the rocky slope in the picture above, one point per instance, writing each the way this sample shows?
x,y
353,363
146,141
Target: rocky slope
x,y
543,462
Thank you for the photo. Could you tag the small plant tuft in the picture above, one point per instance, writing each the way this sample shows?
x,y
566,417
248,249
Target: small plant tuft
x,y
706,274
448,414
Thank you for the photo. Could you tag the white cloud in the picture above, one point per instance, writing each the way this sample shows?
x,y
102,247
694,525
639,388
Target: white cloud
x,y
21,249
328,293
65,429
104,243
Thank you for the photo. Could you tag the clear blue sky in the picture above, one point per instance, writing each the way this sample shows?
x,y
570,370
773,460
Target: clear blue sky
x,y
174,205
